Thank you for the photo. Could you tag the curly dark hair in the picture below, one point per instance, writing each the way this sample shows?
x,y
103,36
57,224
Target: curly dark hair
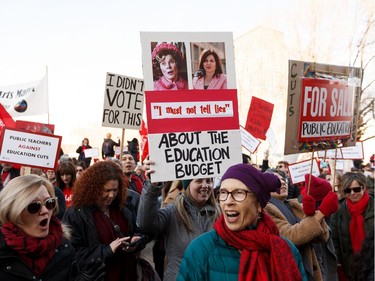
x,y
65,168
89,187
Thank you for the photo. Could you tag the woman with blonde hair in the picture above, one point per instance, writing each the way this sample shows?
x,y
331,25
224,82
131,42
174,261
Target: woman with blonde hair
x,y
33,242
191,214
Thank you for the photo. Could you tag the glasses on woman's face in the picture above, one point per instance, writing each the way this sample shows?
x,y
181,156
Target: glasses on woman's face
x,y
34,207
355,189
238,195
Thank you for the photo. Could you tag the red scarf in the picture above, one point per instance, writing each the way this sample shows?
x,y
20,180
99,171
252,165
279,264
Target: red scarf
x,y
357,222
35,252
265,255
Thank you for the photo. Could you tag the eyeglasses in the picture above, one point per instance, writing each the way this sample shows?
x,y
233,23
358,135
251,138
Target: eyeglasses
x,y
34,207
355,189
238,195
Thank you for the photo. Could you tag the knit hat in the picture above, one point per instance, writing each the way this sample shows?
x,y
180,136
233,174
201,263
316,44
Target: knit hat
x,y
185,183
260,183
167,47
319,188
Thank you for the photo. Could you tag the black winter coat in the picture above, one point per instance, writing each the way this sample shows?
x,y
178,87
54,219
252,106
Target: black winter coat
x,y
12,268
85,238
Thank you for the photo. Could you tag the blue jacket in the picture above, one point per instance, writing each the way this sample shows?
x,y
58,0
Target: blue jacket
x,y
208,257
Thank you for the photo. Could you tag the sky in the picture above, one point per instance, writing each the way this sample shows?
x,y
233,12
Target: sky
x,y
79,41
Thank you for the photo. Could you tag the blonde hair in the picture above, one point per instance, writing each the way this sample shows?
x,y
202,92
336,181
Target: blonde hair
x,y
182,213
20,192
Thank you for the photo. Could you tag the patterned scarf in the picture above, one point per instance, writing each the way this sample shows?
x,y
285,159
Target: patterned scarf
x,y
264,254
357,222
35,252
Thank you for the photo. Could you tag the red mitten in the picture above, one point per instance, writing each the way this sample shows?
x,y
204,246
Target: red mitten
x,y
308,205
330,204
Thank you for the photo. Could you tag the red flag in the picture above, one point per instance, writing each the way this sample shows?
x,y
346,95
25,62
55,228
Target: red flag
x,y
5,119
144,141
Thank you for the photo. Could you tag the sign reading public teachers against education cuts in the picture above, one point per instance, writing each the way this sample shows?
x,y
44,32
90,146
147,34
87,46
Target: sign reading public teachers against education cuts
x,y
326,109
123,102
192,133
30,149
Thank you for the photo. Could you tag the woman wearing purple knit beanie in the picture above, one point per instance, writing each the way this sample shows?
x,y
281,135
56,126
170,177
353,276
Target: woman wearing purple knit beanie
x,y
245,243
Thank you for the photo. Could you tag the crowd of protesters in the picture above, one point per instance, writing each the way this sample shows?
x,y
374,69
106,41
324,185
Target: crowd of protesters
x,y
92,221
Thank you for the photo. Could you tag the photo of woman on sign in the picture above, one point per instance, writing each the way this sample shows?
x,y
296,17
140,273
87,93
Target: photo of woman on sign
x,y
169,68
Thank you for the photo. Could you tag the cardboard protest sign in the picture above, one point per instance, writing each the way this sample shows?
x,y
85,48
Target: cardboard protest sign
x,y
123,102
323,103
35,127
353,152
30,149
259,117
185,49
326,109
298,170
192,133
248,140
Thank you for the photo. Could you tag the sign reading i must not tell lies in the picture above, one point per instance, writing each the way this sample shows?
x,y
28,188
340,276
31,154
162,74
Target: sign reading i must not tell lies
x,y
123,102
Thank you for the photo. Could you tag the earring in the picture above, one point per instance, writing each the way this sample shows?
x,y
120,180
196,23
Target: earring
x,y
259,216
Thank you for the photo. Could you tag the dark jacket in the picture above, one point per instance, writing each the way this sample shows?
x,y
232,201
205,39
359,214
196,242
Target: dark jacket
x,y
85,238
12,268
82,157
340,222
107,147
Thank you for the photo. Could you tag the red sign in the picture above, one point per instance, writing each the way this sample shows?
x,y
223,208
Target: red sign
x,y
326,110
259,118
5,119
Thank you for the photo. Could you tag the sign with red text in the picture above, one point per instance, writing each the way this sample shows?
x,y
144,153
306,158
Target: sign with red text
x,y
192,133
326,109
259,118
123,102
298,170
30,149
322,106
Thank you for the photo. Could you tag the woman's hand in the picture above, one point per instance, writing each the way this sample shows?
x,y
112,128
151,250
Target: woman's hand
x,y
119,243
134,244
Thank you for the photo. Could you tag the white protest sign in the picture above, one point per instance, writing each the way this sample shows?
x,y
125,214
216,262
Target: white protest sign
x,y
330,153
298,170
192,134
353,152
123,102
248,140
91,152
30,149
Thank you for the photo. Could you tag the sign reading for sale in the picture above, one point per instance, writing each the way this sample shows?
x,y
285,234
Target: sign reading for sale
x,y
326,110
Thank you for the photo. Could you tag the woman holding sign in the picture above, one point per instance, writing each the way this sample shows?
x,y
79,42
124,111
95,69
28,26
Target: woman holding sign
x,y
167,63
192,213
81,151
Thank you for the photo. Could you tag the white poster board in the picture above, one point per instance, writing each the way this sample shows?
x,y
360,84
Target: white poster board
x,y
30,149
248,140
91,152
298,170
123,102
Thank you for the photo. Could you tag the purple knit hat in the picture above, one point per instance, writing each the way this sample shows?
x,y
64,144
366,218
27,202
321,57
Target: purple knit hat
x,y
260,183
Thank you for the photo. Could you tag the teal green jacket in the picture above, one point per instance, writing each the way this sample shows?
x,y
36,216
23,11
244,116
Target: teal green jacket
x,y
208,257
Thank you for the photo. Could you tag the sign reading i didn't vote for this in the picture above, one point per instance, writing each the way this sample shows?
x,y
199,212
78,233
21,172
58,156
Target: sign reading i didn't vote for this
x,y
193,133
123,102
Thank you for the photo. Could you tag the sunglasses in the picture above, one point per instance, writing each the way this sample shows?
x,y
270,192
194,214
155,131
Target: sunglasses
x,y
34,207
355,189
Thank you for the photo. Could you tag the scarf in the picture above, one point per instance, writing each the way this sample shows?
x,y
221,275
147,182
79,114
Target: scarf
x,y
264,254
35,252
357,222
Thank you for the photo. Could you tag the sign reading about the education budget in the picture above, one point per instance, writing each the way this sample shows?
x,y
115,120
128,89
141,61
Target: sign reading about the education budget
x,y
123,102
192,134
298,170
326,109
30,149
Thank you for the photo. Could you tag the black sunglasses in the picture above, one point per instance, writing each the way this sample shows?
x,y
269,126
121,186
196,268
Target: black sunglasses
x,y
34,207
355,189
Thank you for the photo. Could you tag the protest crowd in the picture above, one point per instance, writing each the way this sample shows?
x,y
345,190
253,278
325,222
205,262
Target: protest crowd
x,y
123,213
